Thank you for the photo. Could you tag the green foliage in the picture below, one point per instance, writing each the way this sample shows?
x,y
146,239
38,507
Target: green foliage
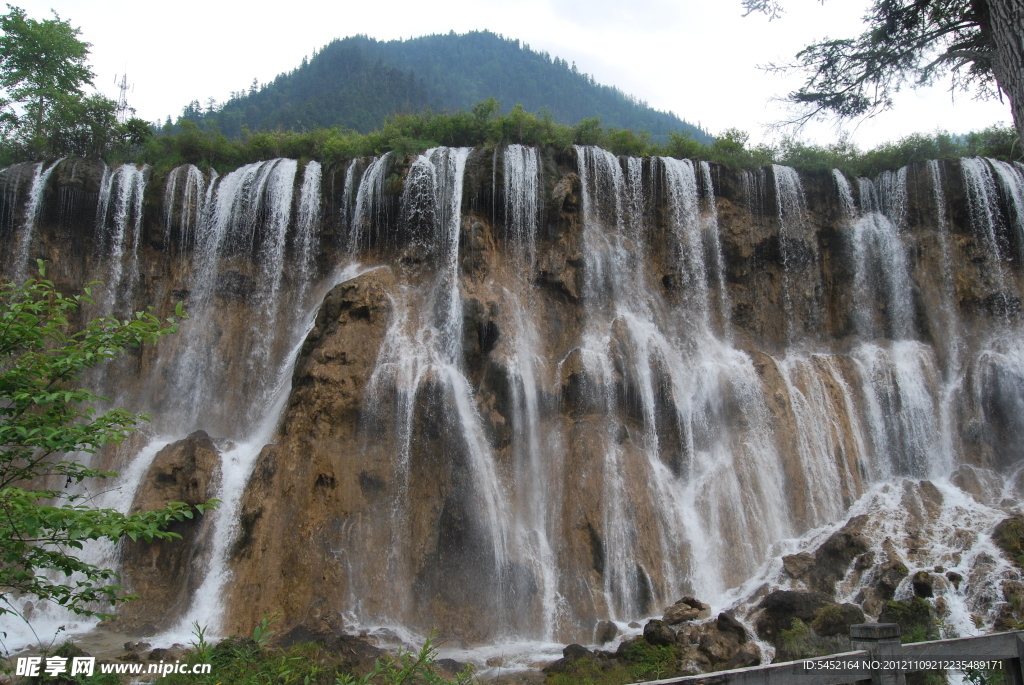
x,y
41,62
795,641
914,617
800,641
904,43
985,677
356,83
650,662
407,668
200,647
637,661
243,661
1009,537
44,417
43,70
262,633
408,134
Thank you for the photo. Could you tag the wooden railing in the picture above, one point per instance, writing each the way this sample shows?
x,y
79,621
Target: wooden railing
x,y
880,659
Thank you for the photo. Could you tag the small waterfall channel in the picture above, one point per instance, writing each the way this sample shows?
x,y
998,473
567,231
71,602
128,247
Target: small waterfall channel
x,y
603,382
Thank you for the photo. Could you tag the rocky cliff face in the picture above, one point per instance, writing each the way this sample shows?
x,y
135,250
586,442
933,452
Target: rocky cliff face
x,y
515,392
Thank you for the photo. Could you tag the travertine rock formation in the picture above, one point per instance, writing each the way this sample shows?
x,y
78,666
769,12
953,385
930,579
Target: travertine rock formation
x,y
516,392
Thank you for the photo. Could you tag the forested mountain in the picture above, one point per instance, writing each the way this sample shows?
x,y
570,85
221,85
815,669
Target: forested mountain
x,y
356,82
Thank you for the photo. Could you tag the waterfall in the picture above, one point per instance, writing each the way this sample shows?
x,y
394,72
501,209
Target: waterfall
x,y
688,229
421,359
902,410
370,213
830,435
846,202
1011,179
715,245
207,606
307,234
801,282
598,387
882,274
126,186
712,512
248,213
192,204
520,174
32,211
986,219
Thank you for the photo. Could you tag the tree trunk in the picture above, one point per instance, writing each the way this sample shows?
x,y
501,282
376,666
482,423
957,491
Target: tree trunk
x,y
1006,23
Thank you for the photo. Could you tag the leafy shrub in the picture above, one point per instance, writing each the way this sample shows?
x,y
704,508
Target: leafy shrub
x,y
914,617
1009,537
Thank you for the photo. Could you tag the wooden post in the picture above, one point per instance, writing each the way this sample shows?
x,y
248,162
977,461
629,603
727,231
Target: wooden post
x,y
1014,668
882,641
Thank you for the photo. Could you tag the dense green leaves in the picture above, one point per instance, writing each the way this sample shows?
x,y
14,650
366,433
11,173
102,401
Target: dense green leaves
x,y
905,43
45,419
411,133
41,61
43,71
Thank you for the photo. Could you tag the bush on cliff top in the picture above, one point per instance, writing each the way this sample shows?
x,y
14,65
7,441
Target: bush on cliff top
x,y
412,133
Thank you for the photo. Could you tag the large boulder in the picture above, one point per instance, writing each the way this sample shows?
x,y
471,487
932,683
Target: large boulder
x,y
686,609
1009,537
833,558
165,573
914,617
923,584
891,572
658,633
727,624
836,619
779,608
796,565
606,632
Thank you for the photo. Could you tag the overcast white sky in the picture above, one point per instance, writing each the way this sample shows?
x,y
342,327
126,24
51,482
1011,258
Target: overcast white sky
x,y
697,58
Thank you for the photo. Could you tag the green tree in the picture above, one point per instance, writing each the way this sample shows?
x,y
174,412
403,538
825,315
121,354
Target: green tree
x,y
980,43
41,62
45,418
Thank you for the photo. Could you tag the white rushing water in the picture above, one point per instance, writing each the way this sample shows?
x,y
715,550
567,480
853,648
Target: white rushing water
x,y
703,459
21,269
119,227
192,205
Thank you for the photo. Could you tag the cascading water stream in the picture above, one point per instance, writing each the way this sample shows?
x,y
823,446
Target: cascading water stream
x,y
422,353
881,270
248,214
112,226
535,500
982,201
710,487
801,280
369,214
207,608
688,229
33,208
521,211
700,459
192,204
715,247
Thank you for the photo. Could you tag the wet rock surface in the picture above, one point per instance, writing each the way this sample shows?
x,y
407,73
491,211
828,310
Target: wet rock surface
x,y
167,572
365,496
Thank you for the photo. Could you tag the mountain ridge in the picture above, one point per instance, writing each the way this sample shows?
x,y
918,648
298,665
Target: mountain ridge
x,y
358,81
